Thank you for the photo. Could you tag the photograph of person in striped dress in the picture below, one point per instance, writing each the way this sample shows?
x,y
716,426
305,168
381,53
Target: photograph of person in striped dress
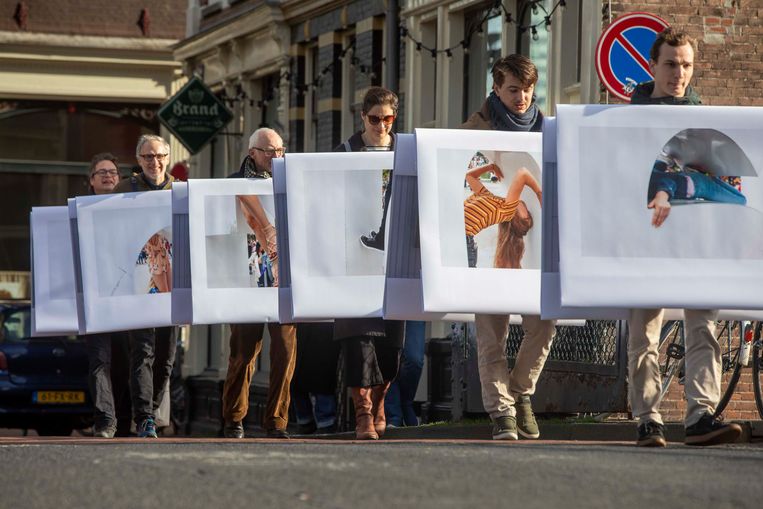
x,y
483,209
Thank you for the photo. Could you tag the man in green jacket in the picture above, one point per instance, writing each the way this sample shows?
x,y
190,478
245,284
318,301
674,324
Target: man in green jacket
x,y
672,64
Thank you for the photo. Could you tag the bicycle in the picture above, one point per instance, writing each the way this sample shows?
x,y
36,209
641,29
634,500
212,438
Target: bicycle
x,y
738,339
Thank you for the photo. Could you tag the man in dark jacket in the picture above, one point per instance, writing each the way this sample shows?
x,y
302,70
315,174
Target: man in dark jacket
x,y
506,394
152,351
672,64
246,339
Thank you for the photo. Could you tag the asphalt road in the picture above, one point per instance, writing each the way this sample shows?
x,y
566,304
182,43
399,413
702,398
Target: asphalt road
x,y
189,473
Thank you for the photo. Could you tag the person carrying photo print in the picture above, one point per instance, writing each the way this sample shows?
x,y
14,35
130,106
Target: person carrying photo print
x,y
372,346
671,180
671,60
107,353
152,351
246,338
376,135
506,393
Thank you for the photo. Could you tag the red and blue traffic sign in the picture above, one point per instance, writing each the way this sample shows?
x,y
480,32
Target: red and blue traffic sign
x,y
622,53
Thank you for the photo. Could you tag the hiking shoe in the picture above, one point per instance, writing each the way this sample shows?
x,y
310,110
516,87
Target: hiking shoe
x,y
147,428
711,431
104,431
233,429
505,428
526,424
373,241
651,434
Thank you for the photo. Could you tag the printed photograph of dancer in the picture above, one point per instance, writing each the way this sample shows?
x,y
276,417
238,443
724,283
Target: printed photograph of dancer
x,y
684,174
509,214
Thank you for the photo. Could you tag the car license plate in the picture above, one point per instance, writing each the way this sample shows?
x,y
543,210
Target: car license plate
x,y
59,397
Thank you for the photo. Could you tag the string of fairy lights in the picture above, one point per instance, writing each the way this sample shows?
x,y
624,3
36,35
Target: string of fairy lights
x,y
540,12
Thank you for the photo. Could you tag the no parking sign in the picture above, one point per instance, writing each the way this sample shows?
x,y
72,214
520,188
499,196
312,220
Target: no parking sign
x,y
622,53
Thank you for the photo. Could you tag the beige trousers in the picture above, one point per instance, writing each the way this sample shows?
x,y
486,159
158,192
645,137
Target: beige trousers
x,y
702,364
501,387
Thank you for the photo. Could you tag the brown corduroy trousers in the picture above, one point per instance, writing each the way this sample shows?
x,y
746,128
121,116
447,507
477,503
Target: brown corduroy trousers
x,y
245,346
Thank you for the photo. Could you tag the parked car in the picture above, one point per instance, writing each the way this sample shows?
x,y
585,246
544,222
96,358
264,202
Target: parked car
x,y
43,380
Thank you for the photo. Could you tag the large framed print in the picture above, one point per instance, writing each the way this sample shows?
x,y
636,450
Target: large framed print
x,y
234,252
333,199
660,206
403,291
54,296
182,298
125,243
551,297
480,220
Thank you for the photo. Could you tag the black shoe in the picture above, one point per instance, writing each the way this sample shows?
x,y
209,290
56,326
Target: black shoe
x,y
233,430
306,429
651,434
711,431
328,430
373,241
277,433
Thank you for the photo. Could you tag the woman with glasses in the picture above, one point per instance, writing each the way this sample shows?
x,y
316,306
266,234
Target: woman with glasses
x,y
371,345
108,370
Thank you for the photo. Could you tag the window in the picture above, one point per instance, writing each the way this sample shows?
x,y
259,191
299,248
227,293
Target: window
x,y
484,49
312,72
535,44
73,131
271,103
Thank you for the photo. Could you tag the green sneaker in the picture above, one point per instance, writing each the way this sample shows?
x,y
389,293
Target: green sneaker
x,y
526,424
505,428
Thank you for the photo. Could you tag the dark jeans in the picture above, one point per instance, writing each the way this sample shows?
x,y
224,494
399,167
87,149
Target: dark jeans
x,y
108,375
370,361
152,353
398,405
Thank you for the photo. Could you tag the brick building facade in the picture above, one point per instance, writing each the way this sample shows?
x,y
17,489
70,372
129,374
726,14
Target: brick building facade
x,y
729,33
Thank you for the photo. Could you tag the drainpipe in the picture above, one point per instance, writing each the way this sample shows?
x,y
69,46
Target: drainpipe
x,y
392,23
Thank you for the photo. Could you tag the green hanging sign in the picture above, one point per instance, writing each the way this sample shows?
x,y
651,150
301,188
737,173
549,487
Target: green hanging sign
x,y
194,115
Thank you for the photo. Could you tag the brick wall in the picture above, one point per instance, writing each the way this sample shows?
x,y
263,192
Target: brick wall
x,y
117,18
729,60
742,404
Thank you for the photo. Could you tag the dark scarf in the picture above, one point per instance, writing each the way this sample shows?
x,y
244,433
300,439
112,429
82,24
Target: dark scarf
x,y
249,170
505,120
155,187
643,95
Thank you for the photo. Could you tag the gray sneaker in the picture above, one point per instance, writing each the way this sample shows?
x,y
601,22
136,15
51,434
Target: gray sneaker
x,y
505,428
526,424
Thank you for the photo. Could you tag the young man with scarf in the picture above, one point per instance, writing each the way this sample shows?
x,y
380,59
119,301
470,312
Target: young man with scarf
x,y
506,393
671,60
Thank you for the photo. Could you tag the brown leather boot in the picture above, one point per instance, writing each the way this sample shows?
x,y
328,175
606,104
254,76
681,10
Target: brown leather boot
x,y
364,420
378,393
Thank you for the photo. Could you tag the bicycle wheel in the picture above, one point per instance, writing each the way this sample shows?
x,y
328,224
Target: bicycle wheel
x,y
671,351
757,367
729,335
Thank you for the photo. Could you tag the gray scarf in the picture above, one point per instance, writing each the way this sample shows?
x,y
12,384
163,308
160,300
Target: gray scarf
x,y
505,120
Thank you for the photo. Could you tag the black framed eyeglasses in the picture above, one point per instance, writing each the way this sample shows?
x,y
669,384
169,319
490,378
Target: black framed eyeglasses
x,y
106,173
272,152
151,157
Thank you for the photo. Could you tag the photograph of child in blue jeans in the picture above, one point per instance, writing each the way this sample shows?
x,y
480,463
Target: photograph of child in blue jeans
x,y
671,181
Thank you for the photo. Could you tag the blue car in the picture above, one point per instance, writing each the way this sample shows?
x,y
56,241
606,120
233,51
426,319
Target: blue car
x,y
43,380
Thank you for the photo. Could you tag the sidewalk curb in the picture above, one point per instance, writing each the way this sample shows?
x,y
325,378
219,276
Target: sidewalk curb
x,y
610,432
